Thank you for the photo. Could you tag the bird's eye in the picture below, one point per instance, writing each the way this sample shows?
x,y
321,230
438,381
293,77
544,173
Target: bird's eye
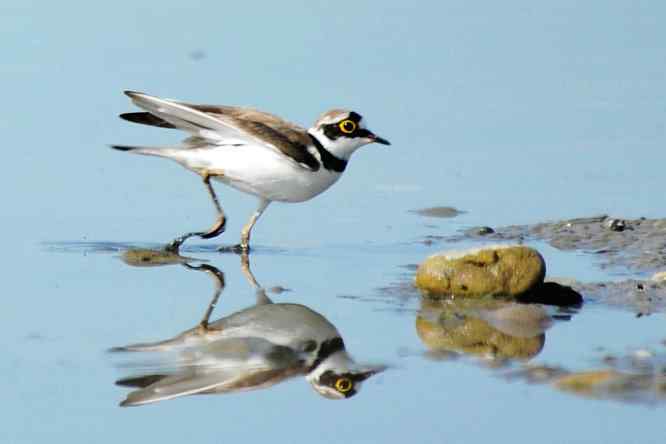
x,y
347,126
343,385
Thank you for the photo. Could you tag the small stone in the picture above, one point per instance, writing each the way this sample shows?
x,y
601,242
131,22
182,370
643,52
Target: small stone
x,y
508,270
479,231
618,225
442,212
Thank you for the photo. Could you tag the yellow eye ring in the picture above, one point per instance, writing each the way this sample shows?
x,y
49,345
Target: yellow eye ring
x,y
347,126
343,385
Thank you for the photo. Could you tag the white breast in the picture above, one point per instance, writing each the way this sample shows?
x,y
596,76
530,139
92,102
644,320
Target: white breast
x,y
260,171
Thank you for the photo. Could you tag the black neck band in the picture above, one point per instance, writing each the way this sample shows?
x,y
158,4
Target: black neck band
x,y
327,348
328,160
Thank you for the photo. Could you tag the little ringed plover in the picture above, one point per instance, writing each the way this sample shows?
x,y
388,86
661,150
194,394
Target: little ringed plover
x,y
253,151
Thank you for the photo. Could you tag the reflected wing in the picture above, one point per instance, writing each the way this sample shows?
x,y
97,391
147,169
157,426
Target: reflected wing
x,y
162,387
222,366
174,386
226,125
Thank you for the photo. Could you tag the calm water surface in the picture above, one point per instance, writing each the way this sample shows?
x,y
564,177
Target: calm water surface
x,y
514,113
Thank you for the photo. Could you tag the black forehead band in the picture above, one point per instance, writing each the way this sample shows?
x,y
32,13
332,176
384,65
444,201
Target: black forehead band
x,y
354,116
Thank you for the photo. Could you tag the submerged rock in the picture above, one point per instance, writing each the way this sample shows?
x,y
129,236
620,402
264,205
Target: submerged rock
x,y
494,270
483,327
144,257
441,212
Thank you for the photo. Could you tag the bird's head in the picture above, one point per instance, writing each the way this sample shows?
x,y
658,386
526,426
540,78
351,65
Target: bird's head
x,y
342,132
339,377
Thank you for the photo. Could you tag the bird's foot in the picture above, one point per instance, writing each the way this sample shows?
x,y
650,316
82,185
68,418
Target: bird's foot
x,y
204,328
242,249
214,231
174,245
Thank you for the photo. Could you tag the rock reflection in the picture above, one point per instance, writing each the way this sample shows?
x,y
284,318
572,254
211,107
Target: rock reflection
x,y
254,348
643,381
487,328
144,257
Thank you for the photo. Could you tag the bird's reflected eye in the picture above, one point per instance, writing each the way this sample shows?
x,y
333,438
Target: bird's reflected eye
x,y
347,126
343,385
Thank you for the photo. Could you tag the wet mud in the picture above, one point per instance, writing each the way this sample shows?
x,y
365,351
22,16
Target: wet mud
x,y
635,244
635,247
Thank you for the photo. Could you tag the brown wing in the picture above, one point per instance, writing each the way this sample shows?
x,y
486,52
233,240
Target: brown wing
x,y
290,139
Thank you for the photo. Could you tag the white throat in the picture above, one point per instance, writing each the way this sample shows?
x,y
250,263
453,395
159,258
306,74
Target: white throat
x,y
340,362
341,148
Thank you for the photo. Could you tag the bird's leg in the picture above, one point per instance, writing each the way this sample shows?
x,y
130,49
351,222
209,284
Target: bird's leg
x,y
244,246
215,230
262,298
221,222
245,267
218,280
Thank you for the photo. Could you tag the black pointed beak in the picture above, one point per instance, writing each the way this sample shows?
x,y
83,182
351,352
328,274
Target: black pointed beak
x,y
381,140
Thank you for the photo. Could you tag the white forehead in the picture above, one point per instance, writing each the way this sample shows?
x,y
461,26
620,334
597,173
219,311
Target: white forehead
x,y
335,116
332,116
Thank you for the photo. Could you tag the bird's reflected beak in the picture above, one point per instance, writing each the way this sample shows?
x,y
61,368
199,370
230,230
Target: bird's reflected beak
x,y
378,139
366,373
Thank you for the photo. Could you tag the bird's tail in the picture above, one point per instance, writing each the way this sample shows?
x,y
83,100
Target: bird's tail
x,y
168,152
160,346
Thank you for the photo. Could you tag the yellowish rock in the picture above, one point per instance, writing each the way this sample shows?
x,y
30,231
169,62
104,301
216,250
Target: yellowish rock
x,y
493,270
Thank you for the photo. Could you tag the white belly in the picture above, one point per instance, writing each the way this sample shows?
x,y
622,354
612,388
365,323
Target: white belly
x,y
260,171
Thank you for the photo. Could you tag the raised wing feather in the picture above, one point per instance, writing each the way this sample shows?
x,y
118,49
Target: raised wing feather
x,y
226,125
175,386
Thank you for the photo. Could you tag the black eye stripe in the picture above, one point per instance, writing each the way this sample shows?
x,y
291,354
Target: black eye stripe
x,y
333,131
329,378
362,132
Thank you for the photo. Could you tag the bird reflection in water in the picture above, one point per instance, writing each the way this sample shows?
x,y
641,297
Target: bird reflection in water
x,y
254,348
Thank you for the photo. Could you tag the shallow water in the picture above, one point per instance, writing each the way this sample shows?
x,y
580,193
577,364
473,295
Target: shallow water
x,y
514,113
